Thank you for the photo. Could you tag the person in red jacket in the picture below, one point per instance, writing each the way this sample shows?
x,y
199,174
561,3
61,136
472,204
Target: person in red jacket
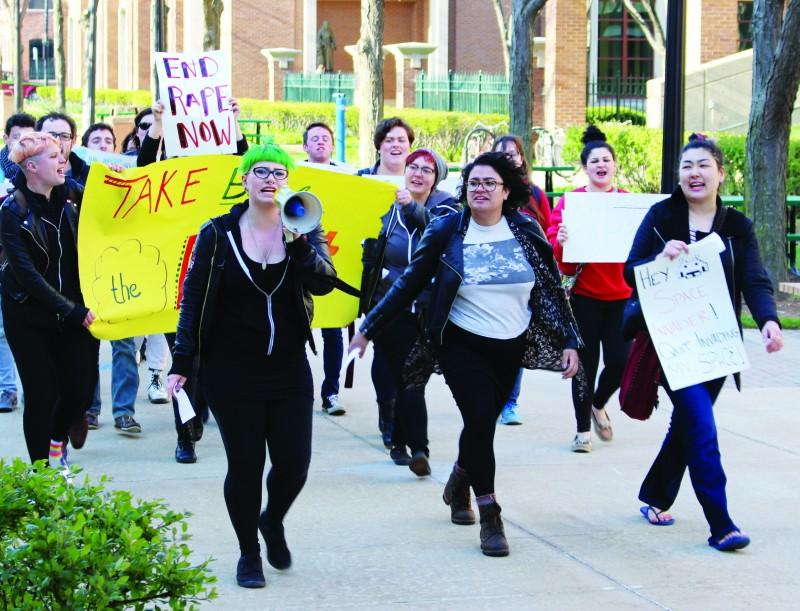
x,y
598,300
538,207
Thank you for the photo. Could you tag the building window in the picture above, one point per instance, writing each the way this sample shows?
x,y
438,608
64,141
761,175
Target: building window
x,y
744,17
41,60
38,5
623,51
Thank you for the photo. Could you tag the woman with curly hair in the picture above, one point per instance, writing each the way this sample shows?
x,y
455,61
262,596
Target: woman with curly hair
x,y
496,303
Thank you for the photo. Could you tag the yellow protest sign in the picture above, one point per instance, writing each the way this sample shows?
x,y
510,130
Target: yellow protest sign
x,y
137,230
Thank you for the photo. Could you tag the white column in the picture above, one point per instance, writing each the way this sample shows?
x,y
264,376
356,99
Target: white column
x,y
309,36
594,42
694,28
439,34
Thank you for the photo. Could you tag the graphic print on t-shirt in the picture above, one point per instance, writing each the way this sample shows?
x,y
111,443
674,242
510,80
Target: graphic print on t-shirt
x,y
501,262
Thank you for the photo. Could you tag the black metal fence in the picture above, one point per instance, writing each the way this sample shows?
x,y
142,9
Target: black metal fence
x,y
617,94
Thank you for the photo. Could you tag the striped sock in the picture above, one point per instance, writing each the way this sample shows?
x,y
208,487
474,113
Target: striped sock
x,y
56,449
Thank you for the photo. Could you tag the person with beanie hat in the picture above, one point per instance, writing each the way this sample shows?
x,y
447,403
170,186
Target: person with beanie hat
x,y
401,229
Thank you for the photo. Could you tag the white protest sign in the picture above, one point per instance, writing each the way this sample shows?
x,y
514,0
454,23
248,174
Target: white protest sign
x,y
602,226
91,155
689,315
195,89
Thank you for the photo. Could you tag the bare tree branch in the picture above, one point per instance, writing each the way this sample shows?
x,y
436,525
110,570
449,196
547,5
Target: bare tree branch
x,y
653,31
505,32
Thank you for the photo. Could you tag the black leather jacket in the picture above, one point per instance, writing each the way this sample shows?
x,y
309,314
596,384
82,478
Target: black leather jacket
x,y
439,256
26,248
316,276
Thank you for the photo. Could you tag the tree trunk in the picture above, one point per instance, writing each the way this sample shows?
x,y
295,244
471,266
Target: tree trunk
x,y
776,77
505,35
370,77
58,48
523,14
653,33
16,20
89,61
212,11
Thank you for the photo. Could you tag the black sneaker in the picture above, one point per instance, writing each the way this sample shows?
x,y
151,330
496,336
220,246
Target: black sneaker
x,y
127,424
92,421
184,452
332,407
400,456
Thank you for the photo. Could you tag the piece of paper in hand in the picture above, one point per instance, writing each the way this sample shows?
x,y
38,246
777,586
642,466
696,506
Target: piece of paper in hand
x,y
185,409
351,356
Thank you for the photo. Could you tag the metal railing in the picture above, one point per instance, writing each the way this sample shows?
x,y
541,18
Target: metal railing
x,y
480,93
617,93
299,87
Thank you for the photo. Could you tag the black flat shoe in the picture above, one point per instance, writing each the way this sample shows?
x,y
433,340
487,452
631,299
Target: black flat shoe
x,y
278,554
184,452
249,573
400,456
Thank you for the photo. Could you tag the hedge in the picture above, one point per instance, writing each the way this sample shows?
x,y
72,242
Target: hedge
x,y
639,157
110,97
603,114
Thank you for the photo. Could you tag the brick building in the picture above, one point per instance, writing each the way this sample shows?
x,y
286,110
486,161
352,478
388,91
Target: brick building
x,y
584,41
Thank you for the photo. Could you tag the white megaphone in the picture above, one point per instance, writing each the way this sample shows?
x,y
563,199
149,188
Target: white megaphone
x,y
301,211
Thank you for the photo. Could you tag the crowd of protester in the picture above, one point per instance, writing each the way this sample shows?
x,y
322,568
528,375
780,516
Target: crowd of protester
x,y
469,285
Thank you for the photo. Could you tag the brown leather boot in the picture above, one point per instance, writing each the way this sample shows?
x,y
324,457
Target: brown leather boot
x,y
493,537
456,494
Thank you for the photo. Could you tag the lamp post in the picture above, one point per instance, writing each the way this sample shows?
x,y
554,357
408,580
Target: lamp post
x,y
673,93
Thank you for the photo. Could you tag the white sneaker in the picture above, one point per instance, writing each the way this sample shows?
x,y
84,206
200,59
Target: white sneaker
x,y
156,391
332,407
582,443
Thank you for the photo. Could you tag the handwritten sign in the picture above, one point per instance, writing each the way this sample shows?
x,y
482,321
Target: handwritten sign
x,y
602,226
195,90
689,315
137,230
92,155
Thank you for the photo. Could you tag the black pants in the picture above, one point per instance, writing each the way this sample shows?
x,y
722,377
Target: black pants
x,y
194,391
599,323
57,365
278,421
410,411
480,373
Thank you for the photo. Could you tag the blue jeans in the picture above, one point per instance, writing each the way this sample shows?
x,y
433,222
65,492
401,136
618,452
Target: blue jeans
x,y
514,397
124,379
8,375
691,442
332,351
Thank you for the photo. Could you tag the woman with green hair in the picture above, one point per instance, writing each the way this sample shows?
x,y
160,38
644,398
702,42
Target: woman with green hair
x,y
246,312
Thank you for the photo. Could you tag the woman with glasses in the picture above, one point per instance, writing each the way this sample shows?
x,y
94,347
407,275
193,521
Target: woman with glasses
x,y
598,300
401,229
538,207
392,139
246,312
495,304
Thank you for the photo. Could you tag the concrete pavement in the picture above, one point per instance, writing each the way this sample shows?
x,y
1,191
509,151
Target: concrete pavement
x,y
367,534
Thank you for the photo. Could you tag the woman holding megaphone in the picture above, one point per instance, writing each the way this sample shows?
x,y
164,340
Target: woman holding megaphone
x,y
246,311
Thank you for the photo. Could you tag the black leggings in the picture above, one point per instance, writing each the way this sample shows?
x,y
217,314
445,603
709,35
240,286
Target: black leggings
x,y
480,373
395,343
280,417
57,365
599,322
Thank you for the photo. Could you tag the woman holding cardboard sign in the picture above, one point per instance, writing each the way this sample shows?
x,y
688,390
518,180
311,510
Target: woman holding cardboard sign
x,y
598,299
246,312
692,212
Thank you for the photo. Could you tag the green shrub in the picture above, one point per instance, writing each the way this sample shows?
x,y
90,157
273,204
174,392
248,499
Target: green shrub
x,y
78,546
639,157
122,100
603,114
442,131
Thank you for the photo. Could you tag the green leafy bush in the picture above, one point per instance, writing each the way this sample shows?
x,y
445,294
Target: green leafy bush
x,y
442,131
78,546
122,100
639,157
603,114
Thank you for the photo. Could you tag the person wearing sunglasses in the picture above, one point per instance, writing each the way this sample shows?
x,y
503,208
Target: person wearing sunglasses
x,y
401,229
246,313
496,304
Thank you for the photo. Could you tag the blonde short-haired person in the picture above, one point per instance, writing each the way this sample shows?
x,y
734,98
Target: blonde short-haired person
x,y
45,317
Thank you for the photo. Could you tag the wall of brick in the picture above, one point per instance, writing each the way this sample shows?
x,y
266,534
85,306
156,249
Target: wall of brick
x,y
475,36
565,63
719,29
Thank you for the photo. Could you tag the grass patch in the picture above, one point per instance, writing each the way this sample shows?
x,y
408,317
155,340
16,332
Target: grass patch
x,y
787,322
